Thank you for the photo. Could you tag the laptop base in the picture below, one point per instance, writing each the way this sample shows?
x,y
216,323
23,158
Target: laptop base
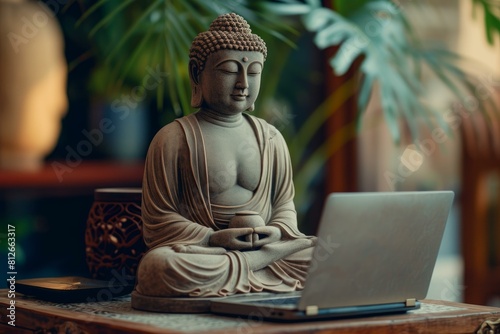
x,y
268,312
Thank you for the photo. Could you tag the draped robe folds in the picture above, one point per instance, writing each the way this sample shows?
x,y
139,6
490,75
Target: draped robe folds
x,y
177,211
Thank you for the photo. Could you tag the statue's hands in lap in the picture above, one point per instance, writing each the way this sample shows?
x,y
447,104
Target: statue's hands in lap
x,y
245,238
267,235
232,238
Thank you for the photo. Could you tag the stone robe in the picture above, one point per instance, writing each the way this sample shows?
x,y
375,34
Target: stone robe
x,y
177,211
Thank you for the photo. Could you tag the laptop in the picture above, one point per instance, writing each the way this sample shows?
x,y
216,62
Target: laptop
x,y
375,255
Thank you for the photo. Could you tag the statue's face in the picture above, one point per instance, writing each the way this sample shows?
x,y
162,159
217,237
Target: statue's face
x,y
230,81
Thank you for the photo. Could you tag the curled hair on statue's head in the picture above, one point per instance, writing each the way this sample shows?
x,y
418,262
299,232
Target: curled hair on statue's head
x,y
226,32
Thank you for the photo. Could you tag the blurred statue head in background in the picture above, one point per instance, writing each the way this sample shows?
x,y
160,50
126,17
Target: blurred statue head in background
x,y
33,75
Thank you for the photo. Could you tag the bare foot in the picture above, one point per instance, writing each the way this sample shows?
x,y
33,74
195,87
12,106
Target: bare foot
x,y
272,252
193,249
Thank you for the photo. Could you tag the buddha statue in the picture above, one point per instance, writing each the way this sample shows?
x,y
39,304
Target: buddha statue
x,y
217,209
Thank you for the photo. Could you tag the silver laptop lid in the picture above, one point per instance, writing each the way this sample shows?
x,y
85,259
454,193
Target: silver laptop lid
x,y
376,248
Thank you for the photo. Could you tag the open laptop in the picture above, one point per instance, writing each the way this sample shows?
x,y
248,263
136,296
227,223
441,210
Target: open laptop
x,y
375,254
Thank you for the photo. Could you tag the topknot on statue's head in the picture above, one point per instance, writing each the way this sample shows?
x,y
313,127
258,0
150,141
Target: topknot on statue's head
x,y
226,32
232,23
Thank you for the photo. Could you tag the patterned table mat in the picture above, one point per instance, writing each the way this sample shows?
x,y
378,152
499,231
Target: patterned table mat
x,y
121,309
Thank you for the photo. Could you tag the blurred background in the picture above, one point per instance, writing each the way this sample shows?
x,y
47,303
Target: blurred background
x,y
370,96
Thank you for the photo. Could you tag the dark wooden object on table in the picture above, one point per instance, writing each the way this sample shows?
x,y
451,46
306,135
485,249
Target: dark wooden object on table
x,y
113,237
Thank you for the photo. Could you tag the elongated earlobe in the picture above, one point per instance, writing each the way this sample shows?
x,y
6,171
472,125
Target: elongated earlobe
x,y
252,107
194,76
196,96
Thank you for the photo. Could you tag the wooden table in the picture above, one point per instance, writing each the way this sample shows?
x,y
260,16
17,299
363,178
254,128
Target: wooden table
x,y
117,316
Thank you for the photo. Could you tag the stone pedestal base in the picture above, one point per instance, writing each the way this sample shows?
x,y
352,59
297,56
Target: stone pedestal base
x,y
171,305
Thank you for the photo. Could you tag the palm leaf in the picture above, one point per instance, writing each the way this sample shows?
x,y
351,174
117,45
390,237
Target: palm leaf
x,y
380,51
491,12
109,17
391,58
138,51
131,31
90,11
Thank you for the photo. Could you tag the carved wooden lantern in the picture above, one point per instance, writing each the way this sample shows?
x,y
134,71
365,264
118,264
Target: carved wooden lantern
x,y
113,237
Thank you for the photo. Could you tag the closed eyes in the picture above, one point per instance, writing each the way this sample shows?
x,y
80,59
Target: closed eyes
x,y
230,67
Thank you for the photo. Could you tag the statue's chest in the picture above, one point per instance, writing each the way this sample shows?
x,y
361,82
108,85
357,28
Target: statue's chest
x,y
233,159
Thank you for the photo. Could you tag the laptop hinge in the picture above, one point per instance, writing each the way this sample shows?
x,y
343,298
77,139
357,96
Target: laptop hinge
x,y
410,302
312,310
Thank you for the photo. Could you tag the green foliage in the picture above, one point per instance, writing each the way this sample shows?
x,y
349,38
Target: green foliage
x,y
131,36
491,11
373,34
377,33
159,33
347,7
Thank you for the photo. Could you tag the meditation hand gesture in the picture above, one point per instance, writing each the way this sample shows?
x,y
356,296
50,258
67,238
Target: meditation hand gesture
x,y
245,238
267,235
232,238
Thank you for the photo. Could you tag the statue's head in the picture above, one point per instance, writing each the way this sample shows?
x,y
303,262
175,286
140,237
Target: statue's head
x,y
229,47
33,75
